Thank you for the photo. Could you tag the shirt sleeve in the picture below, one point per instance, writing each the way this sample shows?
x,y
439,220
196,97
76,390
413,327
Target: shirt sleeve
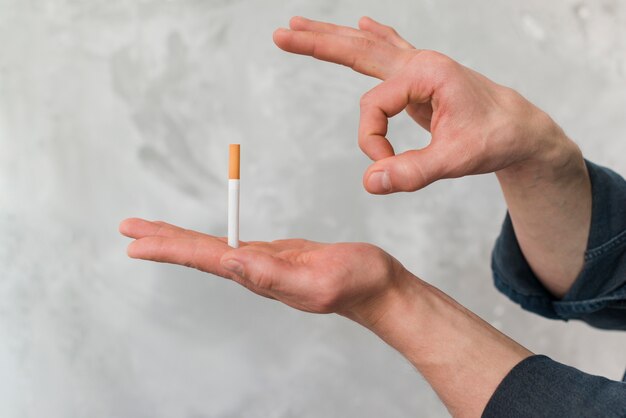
x,y
598,295
541,387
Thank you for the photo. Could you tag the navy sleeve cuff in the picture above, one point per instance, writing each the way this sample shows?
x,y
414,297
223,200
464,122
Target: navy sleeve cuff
x,y
598,296
541,387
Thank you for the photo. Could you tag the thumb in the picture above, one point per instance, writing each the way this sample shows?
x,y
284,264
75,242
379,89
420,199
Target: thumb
x,y
259,269
406,172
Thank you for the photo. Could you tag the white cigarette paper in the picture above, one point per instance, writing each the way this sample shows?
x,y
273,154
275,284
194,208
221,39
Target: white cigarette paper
x,y
233,195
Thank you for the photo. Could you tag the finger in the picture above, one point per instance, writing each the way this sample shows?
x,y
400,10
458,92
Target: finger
x,y
164,229
383,102
374,119
173,231
372,135
190,253
387,33
362,55
407,172
299,23
139,228
202,253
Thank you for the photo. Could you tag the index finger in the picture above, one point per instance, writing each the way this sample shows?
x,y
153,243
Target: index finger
x,y
202,253
299,23
385,101
363,55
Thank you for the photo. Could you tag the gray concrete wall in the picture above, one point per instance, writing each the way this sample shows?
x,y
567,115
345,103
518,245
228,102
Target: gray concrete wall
x,y
112,108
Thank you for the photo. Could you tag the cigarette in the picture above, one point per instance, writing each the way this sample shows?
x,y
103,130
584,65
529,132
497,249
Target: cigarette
x,y
233,195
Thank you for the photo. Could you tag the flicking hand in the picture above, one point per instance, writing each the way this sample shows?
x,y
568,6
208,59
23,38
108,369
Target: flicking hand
x,y
477,126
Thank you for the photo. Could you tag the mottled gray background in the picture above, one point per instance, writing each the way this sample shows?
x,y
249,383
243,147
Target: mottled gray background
x,y
110,109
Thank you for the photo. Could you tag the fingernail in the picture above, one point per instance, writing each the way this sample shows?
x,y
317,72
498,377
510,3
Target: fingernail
x,y
379,181
233,266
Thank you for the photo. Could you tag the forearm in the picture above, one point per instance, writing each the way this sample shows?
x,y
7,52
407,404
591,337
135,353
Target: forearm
x,y
461,356
549,200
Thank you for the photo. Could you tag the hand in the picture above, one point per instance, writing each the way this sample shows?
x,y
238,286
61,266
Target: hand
x,y
477,126
461,356
351,279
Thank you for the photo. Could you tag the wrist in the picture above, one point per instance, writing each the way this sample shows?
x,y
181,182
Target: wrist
x,y
550,156
430,328
375,312
462,357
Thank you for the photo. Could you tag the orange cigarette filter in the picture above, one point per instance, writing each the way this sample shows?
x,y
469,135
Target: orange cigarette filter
x,y
233,161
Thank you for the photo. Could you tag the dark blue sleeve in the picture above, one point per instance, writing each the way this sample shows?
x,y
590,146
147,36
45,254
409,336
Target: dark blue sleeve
x,y
541,387
598,296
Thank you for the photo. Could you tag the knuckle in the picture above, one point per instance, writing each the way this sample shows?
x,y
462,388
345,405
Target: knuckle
x,y
193,258
390,30
362,142
437,58
316,49
438,65
366,100
363,43
511,98
159,229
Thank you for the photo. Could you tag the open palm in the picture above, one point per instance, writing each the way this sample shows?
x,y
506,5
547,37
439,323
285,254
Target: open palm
x,y
347,278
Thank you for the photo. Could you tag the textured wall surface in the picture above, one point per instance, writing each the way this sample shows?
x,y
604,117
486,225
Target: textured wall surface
x,y
111,109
